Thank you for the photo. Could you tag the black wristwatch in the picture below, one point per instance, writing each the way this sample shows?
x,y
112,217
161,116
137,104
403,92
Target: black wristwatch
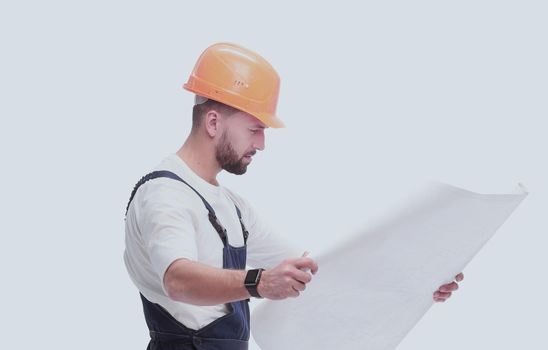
x,y
252,281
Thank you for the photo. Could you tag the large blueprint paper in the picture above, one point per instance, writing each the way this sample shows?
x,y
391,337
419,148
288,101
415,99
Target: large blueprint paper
x,y
373,288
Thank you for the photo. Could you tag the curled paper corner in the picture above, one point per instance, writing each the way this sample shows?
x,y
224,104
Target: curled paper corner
x,y
519,189
523,189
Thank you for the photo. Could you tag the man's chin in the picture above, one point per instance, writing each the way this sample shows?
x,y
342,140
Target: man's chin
x,y
240,170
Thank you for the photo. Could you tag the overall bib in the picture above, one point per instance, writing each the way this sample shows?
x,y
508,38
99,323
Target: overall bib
x,y
229,332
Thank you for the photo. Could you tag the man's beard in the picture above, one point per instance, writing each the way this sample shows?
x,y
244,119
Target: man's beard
x,y
228,158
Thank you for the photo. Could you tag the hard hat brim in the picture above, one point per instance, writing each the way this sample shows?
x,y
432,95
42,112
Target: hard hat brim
x,y
270,120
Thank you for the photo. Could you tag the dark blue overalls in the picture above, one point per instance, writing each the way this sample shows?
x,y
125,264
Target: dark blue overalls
x,y
230,332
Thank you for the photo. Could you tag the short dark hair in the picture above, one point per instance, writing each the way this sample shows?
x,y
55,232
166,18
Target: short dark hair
x,y
199,110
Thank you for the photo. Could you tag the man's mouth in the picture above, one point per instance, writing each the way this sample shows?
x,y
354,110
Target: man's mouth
x,y
249,155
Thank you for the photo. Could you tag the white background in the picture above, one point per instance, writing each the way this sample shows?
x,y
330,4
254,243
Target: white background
x,y
374,94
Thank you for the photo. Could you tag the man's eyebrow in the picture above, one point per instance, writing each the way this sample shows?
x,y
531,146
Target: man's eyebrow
x,y
257,126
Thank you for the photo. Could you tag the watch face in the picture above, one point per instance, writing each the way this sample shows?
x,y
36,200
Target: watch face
x,y
251,277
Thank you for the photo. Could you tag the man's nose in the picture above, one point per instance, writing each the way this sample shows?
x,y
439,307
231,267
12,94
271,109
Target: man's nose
x,y
260,143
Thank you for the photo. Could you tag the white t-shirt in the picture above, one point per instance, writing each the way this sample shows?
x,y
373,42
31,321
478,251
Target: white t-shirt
x,y
166,221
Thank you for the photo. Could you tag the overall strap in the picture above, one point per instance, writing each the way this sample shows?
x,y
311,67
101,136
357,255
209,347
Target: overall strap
x,y
244,230
211,213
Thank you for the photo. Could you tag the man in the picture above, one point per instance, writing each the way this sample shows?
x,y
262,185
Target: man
x,y
188,239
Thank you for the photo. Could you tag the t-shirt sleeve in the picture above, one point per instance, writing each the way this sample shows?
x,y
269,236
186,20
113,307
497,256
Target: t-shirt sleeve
x,y
166,224
266,247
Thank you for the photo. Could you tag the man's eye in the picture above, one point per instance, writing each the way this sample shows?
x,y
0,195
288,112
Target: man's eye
x,y
253,131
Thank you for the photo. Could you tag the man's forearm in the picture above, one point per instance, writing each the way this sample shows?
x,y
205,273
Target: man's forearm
x,y
195,283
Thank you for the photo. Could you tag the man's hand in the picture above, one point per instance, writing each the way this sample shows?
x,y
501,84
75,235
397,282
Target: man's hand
x,y
287,279
444,292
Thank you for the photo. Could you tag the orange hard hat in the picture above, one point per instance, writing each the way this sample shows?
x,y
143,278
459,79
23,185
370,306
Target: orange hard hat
x,y
239,78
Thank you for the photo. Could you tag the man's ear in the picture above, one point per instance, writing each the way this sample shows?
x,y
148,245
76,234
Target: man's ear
x,y
212,124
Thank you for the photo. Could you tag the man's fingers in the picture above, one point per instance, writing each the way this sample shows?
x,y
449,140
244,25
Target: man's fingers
x,y
303,263
298,286
300,275
443,295
445,291
450,287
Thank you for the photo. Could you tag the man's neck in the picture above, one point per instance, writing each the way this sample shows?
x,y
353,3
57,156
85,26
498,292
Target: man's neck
x,y
201,159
